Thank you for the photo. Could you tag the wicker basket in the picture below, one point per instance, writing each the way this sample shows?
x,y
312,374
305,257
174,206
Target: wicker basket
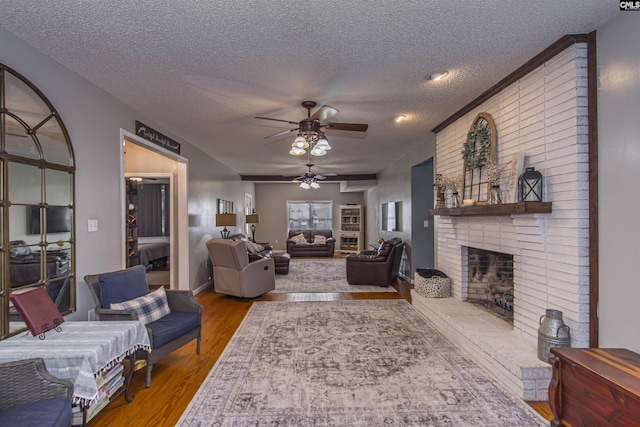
x,y
436,284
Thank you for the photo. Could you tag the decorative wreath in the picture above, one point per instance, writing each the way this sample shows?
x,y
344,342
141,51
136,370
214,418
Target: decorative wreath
x,y
476,150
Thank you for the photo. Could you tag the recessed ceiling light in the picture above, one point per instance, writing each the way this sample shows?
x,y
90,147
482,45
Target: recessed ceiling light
x,y
438,76
399,118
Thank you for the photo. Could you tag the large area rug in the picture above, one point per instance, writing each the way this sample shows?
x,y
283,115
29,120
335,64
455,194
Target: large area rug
x,y
348,363
320,275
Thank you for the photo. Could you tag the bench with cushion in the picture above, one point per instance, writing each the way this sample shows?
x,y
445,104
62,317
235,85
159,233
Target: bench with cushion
x,y
173,318
306,242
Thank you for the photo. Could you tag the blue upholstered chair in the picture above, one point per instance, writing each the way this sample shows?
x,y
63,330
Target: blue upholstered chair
x,y
31,396
168,333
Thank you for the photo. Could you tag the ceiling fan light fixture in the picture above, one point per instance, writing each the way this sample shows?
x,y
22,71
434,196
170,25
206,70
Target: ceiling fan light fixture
x,y
438,76
300,142
314,184
323,142
295,151
305,185
318,151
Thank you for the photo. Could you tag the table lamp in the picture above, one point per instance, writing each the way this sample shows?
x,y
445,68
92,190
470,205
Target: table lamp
x,y
225,219
253,219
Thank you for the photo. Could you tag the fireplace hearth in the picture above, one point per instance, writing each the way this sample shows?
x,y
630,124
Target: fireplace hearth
x,y
491,282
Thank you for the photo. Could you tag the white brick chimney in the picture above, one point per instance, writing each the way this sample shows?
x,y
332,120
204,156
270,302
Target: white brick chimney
x,y
543,115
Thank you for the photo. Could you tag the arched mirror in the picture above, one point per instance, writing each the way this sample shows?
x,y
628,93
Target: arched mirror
x,y
477,151
37,174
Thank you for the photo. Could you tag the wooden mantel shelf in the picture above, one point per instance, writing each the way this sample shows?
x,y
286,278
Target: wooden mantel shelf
x,y
521,208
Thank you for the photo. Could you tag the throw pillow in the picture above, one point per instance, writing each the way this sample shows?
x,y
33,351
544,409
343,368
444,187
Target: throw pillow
x,y
122,286
254,248
319,239
149,308
299,238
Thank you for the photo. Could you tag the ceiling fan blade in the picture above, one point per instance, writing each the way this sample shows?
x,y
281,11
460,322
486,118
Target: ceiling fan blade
x,y
356,127
320,177
324,113
277,120
281,133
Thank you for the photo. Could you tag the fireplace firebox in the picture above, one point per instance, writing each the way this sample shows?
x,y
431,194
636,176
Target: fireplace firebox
x,y
491,282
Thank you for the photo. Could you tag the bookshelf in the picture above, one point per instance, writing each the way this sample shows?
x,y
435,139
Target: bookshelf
x,y
131,215
351,235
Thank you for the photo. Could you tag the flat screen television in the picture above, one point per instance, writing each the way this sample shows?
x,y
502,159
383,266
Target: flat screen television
x,y
58,219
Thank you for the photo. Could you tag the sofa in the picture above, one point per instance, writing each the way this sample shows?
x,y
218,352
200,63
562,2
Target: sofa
x,y
377,268
302,242
258,251
24,265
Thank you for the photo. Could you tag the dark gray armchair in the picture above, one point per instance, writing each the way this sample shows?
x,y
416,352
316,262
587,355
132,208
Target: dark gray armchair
x,y
30,395
181,326
377,268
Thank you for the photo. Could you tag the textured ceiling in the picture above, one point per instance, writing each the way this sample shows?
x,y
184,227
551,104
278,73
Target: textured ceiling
x,y
204,69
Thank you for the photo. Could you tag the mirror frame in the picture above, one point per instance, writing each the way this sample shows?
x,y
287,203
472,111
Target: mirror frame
x,y
469,187
40,159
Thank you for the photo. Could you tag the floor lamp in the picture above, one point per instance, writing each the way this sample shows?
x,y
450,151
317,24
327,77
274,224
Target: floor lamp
x,y
253,219
225,219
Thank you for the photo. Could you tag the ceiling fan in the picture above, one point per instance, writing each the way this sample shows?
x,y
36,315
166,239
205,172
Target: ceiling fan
x,y
310,179
314,124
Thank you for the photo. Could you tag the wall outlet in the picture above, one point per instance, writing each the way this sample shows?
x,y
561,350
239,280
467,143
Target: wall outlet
x,y
277,241
92,225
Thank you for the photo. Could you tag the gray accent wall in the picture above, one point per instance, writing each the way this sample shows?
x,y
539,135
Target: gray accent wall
x,y
394,185
271,203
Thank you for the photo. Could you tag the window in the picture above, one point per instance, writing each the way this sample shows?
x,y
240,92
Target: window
x,y
309,215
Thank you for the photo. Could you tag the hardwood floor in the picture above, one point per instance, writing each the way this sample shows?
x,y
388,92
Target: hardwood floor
x,y
177,377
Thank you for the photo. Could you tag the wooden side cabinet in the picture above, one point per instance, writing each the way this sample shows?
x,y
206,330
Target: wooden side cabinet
x,y
595,387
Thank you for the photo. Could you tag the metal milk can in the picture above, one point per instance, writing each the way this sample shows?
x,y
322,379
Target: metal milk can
x,y
552,333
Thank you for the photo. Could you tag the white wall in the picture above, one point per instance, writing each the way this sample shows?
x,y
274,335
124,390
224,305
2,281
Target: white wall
x,y
619,181
94,119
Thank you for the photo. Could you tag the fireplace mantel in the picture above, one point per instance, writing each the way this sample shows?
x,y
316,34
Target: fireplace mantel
x,y
520,208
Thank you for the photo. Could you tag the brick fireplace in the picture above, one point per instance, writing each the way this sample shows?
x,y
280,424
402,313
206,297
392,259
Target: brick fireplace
x,y
544,116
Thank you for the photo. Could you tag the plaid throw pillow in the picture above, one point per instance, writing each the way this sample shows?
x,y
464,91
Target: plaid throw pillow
x,y
150,307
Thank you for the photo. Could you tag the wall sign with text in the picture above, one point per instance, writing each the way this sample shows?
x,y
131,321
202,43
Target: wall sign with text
x,y
157,138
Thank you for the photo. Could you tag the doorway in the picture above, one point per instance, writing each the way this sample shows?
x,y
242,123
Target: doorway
x,y
164,253
422,226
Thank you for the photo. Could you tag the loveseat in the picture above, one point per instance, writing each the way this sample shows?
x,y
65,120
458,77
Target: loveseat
x,y
303,242
378,268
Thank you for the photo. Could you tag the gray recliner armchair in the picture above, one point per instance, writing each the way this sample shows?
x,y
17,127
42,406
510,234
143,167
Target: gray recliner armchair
x,y
233,274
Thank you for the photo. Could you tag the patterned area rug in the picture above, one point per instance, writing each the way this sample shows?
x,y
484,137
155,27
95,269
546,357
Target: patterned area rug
x,y
320,275
348,363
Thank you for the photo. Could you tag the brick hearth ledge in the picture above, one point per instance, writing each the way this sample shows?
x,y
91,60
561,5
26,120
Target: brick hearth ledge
x,y
492,343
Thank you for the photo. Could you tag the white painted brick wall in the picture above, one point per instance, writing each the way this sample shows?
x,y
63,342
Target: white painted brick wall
x,y
543,115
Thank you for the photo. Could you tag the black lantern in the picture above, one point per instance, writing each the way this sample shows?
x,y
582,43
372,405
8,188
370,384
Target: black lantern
x,y
530,185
